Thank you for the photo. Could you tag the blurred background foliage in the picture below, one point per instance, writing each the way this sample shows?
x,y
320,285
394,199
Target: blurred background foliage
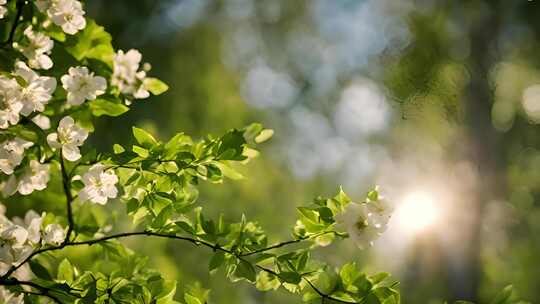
x,y
441,97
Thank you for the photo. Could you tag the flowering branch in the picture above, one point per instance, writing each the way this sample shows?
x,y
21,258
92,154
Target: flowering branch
x,y
197,242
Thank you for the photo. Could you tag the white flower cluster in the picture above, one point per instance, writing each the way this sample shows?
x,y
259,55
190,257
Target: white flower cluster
x,y
19,238
35,177
99,185
30,95
366,221
68,14
36,47
69,137
3,9
12,153
127,76
82,85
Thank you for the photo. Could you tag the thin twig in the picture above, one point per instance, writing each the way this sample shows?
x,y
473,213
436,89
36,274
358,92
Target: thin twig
x,y
197,242
45,291
20,4
282,244
69,198
326,296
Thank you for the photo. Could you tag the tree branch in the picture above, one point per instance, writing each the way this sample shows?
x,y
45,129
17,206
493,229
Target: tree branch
x,y
44,291
194,241
69,198
283,244
20,5
326,296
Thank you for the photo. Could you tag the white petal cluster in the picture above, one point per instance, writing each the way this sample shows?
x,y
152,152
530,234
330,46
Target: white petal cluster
x,y
36,47
3,9
82,85
366,221
34,178
68,14
10,104
7,297
16,99
12,153
69,137
54,234
19,237
99,185
36,91
127,76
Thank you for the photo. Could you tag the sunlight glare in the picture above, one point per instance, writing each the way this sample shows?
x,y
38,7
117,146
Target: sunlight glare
x,y
417,212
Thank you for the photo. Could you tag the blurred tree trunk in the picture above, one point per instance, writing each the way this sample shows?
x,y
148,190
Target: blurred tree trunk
x,y
483,141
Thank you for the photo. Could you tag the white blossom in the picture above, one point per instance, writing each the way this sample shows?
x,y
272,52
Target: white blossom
x,y
82,85
37,90
19,238
42,121
3,9
54,234
68,14
32,223
14,235
36,47
35,177
126,75
99,185
10,103
69,137
8,297
13,244
11,153
366,221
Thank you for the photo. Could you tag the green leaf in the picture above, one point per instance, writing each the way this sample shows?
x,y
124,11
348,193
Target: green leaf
x,y
217,260
166,293
290,277
65,271
155,86
40,271
92,42
118,149
144,138
102,106
349,274
342,197
503,297
267,281
191,299
379,277
228,171
231,146
142,152
245,270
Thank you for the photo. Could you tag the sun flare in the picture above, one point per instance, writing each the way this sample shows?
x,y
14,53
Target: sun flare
x,y
417,212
